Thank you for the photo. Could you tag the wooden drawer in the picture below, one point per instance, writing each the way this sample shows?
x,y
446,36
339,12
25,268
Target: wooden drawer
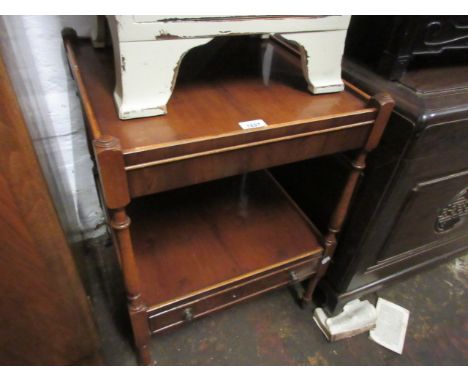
x,y
208,301
167,174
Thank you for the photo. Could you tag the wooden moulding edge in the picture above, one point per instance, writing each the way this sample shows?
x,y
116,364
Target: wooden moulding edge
x,y
371,111
85,100
241,280
242,146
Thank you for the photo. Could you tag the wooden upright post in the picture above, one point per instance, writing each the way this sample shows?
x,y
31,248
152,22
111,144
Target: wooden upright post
x,y
116,197
384,104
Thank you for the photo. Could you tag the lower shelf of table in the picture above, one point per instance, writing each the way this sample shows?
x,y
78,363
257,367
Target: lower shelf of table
x,y
205,247
230,293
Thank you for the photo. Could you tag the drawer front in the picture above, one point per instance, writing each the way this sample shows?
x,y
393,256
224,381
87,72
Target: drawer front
x,y
207,302
177,173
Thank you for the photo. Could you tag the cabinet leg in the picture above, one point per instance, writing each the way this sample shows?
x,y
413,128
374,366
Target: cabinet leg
x,y
331,301
321,54
146,72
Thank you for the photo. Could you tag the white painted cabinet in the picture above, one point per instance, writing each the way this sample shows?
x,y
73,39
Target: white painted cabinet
x,y
148,51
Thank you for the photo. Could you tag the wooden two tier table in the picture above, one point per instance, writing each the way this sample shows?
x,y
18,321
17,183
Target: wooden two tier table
x,y
199,224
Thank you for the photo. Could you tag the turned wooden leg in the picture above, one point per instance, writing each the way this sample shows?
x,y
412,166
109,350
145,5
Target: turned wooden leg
x,y
113,179
335,224
120,223
321,54
384,105
146,72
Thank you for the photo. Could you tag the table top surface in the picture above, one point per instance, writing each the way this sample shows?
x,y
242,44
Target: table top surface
x,y
218,86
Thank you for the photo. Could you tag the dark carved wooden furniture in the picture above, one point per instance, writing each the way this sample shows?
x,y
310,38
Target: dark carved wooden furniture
x,y
45,317
198,222
391,44
411,209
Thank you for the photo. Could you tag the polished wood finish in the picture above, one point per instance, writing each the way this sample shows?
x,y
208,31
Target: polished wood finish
x,y
233,161
239,229
114,188
175,314
45,317
202,131
213,232
202,108
233,233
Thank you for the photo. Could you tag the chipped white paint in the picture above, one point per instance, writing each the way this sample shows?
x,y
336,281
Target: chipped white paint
x,y
149,49
146,28
147,74
321,54
357,317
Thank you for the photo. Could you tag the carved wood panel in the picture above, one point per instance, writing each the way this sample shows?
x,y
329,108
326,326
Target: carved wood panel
x,y
431,216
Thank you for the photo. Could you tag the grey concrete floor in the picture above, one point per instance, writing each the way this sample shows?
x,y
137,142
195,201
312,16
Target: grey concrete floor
x,y
273,330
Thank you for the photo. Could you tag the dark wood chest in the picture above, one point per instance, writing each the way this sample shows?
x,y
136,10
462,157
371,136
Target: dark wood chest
x,y
411,207
391,45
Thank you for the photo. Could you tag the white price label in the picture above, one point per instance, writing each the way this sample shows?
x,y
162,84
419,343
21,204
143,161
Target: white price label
x,y
253,124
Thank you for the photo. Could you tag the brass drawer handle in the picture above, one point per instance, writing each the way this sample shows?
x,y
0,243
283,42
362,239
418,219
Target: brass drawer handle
x,y
293,276
188,314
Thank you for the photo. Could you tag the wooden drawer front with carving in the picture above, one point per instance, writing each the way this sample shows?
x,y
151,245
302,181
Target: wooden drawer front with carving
x,y
205,302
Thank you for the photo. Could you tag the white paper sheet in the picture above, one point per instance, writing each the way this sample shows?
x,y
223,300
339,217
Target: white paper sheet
x,y
390,330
